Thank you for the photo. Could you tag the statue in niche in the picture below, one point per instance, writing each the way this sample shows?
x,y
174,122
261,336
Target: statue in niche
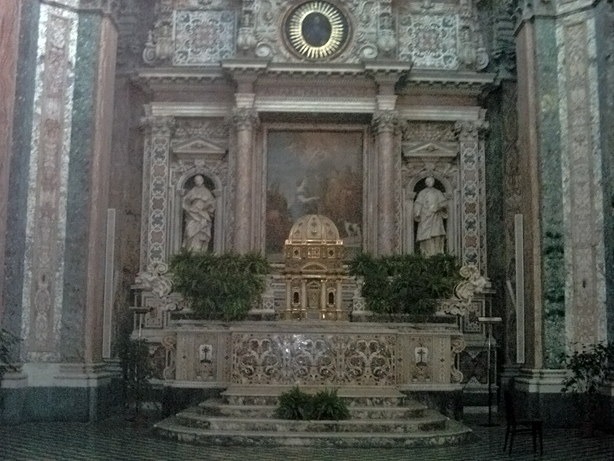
x,y
199,206
430,210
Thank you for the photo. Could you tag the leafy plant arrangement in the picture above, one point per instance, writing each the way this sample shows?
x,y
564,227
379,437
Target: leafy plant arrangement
x,y
326,405
7,342
136,371
406,284
294,404
219,287
590,368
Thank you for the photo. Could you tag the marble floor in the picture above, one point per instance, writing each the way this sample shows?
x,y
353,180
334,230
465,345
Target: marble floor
x,y
115,439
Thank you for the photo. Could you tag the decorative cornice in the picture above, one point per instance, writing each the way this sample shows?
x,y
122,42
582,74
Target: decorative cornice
x,y
438,82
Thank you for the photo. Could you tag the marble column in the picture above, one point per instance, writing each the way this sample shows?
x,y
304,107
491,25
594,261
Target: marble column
x,y
384,122
58,192
245,121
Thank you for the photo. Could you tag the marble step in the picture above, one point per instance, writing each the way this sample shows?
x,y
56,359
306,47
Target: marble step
x,y
172,428
355,396
432,421
216,407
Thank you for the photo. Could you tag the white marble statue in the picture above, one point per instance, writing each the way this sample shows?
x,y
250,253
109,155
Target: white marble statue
x,y
199,206
430,210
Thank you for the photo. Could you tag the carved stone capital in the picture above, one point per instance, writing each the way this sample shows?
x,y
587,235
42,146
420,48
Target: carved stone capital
x,y
159,126
385,120
245,118
470,130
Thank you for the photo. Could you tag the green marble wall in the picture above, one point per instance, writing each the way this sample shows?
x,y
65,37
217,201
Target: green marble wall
x,y
551,207
79,186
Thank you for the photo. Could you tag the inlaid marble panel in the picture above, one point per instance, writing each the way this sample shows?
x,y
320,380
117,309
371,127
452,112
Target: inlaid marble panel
x,y
203,37
429,41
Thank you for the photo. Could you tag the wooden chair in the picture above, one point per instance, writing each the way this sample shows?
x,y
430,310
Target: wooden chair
x,y
518,426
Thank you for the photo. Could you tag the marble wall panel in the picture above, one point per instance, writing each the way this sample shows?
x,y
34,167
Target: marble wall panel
x,y
605,27
18,182
46,215
582,181
9,48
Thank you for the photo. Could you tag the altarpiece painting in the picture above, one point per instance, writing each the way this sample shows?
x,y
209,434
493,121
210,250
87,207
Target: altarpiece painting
x,y
314,172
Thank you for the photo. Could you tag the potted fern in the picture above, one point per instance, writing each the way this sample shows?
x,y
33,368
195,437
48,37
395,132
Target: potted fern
x,y
406,284
589,368
219,287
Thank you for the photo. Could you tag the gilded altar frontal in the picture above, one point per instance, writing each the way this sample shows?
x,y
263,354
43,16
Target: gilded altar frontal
x,y
318,148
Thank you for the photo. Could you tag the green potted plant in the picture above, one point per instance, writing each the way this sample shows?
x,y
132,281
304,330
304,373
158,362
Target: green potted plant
x,y
589,368
136,373
325,405
219,287
406,284
7,342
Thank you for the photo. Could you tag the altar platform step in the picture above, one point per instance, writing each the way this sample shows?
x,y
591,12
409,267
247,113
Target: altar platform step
x,y
355,395
454,433
379,417
216,407
430,421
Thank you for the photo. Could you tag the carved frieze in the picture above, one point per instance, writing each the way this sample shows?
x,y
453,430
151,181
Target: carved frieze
x,y
211,129
429,131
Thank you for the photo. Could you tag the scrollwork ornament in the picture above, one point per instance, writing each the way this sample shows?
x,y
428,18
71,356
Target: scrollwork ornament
x,y
245,118
385,120
458,344
149,52
156,281
169,343
481,58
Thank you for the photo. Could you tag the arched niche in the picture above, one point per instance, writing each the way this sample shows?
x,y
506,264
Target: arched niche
x,y
411,191
184,183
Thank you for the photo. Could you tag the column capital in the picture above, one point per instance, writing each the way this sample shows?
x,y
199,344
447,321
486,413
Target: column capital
x,y
159,125
385,120
245,118
471,130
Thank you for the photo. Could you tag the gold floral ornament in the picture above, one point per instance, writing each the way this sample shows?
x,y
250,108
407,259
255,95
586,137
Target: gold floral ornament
x,y
317,30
